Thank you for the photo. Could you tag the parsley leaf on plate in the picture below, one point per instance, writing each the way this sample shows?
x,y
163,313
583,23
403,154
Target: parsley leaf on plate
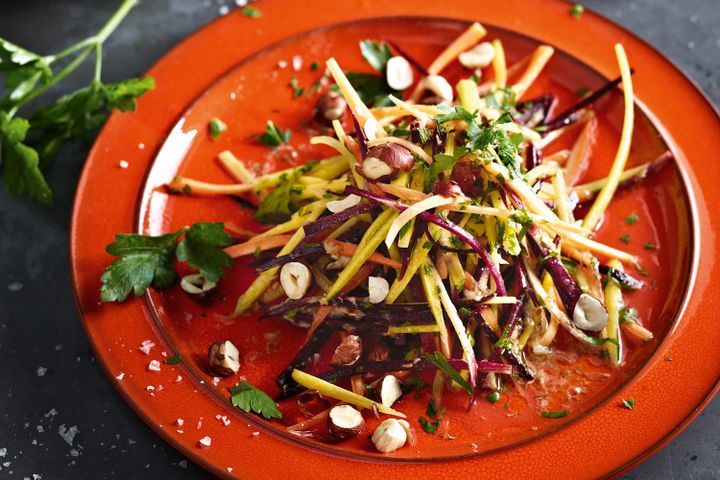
x,y
372,89
629,403
442,363
277,207
251,399
174,360
201,248
273,136
251,12
144,260
559,414
376,54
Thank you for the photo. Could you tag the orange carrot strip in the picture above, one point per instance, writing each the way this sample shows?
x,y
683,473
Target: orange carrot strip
x,y
237,231
580,154
318,419
358,278
348,249
252,245
320,316
637,331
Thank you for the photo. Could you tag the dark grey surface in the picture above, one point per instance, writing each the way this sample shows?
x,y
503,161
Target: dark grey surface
x,y
39,326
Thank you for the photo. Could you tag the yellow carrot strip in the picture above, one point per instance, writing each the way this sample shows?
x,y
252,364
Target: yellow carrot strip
x,y
411,109
417,258
549,289
500,301
189,186
404,193
348,249
374,235
399,112
578,240
559,157
347,154
499,65
581,152
613,303
433,299
511,72
413,211
257,245
401,141
235,167
327,389
539,59
412,329
608,190
561,199
585,191
466,40
307,213
469,95
354,101
541,171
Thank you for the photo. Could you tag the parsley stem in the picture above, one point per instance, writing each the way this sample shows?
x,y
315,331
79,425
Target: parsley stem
x,y
70,50
115,20
98,62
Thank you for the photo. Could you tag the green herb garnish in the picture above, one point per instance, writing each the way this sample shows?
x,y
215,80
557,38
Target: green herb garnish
x,y
278,206
273,136
251,12
582,92
628,315
559,414
493,397
435,414
650,246
174,360
632,218
145,260
641,270
577,10
625,238
216,127
442,363
251,399
29,142
372,89
376,54
629,403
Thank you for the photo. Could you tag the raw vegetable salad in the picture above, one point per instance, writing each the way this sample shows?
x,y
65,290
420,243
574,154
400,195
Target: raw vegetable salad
x,y
439,242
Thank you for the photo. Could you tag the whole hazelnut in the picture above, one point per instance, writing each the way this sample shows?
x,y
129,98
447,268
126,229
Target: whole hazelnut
x,y
330,106
385,161
348,352
447,188
224,358
467,175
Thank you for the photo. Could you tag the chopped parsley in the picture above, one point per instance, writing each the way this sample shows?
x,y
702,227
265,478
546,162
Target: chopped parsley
x,y
273,136
641,270
278,206
144,260
434,414
314,66
582,92
558,414
668,359
442,363
650,246
372,89
629,403
628,315
625,238
216,128
174,360
577,11
251,399
632,218
251,12
493,397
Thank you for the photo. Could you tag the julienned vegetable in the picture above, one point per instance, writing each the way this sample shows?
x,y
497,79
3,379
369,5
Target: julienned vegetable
x,y
440,247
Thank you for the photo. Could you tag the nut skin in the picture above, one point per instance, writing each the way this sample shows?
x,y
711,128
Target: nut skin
x,y
348,352
466,174
393,155
330,106
222,358
344,432
447,188
379,353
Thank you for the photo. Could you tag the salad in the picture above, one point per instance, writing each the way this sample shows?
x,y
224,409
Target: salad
x,y
438,250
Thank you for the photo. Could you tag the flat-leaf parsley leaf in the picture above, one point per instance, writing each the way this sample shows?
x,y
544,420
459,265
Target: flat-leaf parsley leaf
x,y
251,399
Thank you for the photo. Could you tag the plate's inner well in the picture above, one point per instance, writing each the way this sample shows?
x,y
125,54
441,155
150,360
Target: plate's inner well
x,y
257,90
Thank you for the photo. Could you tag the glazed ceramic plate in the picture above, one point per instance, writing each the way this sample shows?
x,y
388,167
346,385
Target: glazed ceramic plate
x,y
230,70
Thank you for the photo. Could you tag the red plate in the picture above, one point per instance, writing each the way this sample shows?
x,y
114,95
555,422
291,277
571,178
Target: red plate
x,y
229,70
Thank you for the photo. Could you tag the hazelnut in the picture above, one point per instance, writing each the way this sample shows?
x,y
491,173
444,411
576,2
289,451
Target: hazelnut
x,y
330,106
467,175
391,435
385,160
224,358
440,87
389,390
480,56
589,314
447,188
295,279
378,289
348,352
345,422
336,206
196,284
399,73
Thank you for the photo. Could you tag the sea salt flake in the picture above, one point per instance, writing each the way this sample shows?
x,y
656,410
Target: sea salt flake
x,y
124,164
297,63
223,10
68,433
205,442
154,366
3,452
41,371
15,287
178,379
120,376
141,146
146,346
179,422
182,464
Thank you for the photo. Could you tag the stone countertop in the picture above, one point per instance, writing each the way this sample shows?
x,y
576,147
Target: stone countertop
x,y
50,384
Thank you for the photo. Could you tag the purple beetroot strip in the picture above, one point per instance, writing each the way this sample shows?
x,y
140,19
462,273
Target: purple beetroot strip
x,y
510,356
567,288
361,138
303,252
447,225
329,221
483,366
528,110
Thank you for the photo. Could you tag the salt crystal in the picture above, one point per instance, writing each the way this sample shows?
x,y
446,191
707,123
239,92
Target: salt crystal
x,y
146,346
179,422
154,366
241,3
223,10
141,146
164,354
15,287
51,413
41,371
3,452
178,378
120,376
229,469
40,428
199,424
131,441
297,63
282,64
150,388
255,434
124,164
205,442
182,464
68,434
74,453
233,95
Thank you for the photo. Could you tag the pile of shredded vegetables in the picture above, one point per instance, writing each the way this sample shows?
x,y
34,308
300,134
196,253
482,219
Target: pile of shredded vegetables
x,y
464,254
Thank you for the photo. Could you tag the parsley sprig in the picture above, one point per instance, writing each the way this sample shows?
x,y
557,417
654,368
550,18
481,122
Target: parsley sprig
x,y
145,260
30,139
442,363
251,399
